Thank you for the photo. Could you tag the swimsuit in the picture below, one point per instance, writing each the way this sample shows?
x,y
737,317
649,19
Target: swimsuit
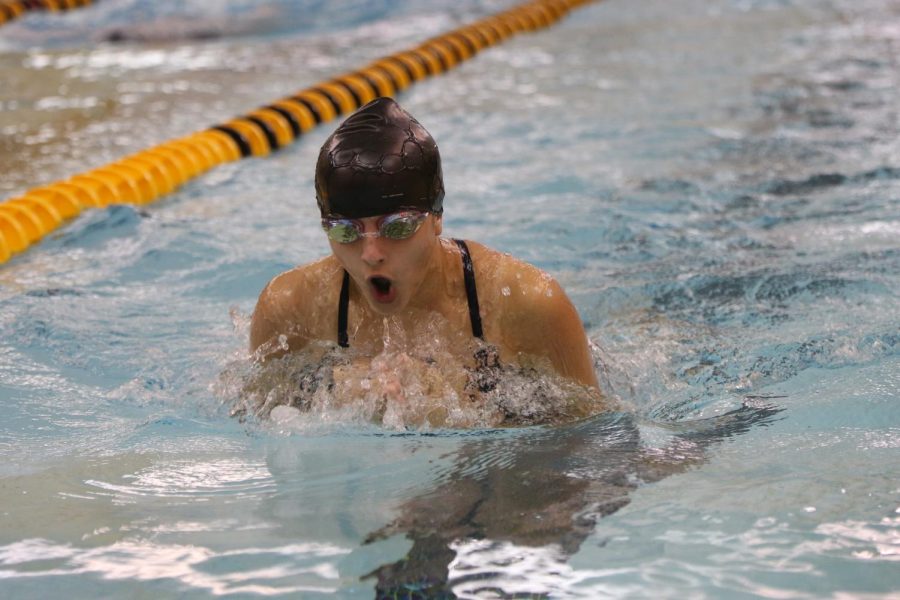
x,y
471,297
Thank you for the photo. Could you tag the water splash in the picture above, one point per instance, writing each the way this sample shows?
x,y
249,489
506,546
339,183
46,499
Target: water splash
x,y
416,381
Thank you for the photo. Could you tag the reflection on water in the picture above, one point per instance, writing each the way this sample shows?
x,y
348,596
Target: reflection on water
x,y
547,494
190,479
192,566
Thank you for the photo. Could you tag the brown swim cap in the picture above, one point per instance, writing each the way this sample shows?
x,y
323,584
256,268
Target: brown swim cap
x,y
378,161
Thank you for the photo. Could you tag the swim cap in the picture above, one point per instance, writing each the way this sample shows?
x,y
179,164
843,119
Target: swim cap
x,y
378,161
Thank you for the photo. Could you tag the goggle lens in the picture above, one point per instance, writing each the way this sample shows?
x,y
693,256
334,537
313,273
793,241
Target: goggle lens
x,y
342,232
398,226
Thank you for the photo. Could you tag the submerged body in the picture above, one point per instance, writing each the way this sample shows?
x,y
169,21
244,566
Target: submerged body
x,y
395,292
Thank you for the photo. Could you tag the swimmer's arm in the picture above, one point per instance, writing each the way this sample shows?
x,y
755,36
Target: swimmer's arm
x,y
549,326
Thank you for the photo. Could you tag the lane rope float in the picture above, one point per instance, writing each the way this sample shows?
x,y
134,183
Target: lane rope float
x,y
13,9
147,175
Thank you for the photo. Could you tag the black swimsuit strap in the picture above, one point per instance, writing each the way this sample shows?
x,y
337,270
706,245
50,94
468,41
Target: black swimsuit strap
x,y
343,305
471,291
471,296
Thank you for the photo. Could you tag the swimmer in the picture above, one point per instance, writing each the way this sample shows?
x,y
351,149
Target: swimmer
x,y
380,192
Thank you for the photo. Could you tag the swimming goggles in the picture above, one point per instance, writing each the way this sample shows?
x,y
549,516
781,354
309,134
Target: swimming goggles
x,y
396,226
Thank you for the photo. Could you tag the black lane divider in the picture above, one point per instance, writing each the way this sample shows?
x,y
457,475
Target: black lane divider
x,y
312,108
289,117
242,143
267,131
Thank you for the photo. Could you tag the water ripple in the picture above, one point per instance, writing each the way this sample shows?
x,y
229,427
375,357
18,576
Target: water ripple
x,y
290,569
193,479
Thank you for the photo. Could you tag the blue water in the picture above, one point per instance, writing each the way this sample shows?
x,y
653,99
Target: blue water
x,y
716,183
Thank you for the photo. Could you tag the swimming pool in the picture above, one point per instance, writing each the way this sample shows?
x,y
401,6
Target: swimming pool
x,y
716,184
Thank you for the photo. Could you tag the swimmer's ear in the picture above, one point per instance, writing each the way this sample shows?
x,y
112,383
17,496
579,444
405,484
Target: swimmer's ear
x,y
438,224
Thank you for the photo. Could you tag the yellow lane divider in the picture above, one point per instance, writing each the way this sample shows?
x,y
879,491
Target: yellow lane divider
x,y
12,9
147,175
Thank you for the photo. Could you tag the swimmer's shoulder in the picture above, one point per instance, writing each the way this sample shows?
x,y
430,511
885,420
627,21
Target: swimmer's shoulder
x,y
529,313
510,280
297,303
303,282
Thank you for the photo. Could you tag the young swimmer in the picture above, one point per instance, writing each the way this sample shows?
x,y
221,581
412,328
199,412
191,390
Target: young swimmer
x,y
392,282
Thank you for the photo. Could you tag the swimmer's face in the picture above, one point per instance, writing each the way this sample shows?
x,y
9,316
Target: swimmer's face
x,y
389,272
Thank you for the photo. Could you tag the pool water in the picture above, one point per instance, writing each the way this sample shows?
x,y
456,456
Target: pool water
x,y
716,183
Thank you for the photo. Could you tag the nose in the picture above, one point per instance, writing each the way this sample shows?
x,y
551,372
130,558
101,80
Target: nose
x,y
372,250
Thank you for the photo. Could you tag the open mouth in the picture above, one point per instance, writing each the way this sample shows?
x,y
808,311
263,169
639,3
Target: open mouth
x,y
382,288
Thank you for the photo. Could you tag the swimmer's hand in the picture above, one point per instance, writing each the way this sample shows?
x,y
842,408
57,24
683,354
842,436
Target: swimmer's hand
x,y
380,376
398,390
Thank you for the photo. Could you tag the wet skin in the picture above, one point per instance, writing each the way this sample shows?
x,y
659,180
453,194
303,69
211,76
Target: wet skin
x,y
525,313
